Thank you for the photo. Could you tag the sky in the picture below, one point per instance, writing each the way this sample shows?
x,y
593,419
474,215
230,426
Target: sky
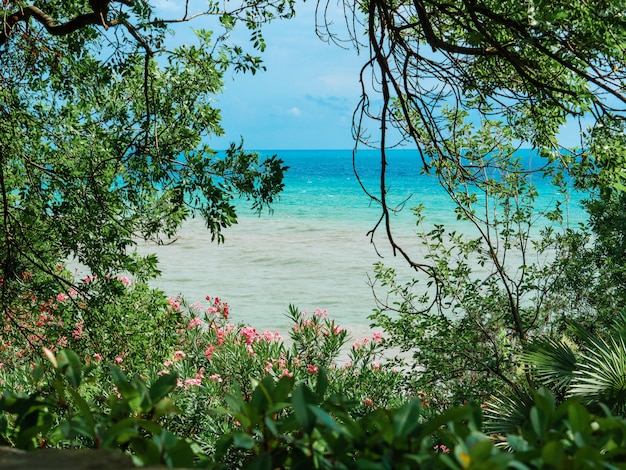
x,y
306,97
304,100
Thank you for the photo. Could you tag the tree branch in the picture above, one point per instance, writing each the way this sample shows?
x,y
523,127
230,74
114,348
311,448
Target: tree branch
x,y
54,27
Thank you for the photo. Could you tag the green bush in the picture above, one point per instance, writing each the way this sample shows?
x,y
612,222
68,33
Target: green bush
x,y
285,423
147,336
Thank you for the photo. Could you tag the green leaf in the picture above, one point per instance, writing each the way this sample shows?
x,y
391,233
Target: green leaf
x,y
283,389
553,454
539,422
162,386
406,419
261,462
69,362
579,418
242,440
120,433
85,411
321,385
326,420
301,399
228,21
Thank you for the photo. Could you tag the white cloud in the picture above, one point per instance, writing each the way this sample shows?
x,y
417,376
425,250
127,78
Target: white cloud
x,y
295,111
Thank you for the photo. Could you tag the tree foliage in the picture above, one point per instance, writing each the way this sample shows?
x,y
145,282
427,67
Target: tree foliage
x,y
467,84
106,129
533,67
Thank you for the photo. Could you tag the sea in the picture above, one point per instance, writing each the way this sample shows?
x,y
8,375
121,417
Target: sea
x,y
315,249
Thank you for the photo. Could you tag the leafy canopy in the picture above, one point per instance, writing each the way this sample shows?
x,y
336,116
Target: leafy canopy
x,y
106,124
467,84
532,66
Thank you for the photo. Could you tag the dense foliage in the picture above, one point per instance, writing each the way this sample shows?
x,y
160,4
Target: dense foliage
x,y
106,127
468,85
283,423
97,393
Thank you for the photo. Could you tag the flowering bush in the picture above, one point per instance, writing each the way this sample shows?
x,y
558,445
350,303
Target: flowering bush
x,y
214,358
186,386
145,334
111,320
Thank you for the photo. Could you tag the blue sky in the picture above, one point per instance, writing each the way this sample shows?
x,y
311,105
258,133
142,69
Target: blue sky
x,y
305,98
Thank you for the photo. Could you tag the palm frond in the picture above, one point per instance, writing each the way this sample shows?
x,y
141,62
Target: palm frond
x,y
507,412
552,362
619,324
601,374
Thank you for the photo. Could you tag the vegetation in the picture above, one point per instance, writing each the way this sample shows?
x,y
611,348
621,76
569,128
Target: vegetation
x,y
469,85
170,376
105,138
229,397
105,133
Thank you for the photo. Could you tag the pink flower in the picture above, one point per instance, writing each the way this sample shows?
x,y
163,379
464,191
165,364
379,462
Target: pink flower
x,y
208,352
124,280
320,313
61,297
285,373
195,382
119,359
98,357
168,363
178,355
194,323
216,378
368,402
311,369
174,303
377,337
78,330
249,333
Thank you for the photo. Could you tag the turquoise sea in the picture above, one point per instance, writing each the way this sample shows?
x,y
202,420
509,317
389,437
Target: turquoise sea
x,y
313,249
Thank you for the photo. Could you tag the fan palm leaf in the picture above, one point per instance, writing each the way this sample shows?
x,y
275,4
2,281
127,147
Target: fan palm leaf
x,y
552,362
506,412
601,374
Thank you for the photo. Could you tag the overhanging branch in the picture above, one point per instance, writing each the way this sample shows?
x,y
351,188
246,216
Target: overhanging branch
x,y
56,28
